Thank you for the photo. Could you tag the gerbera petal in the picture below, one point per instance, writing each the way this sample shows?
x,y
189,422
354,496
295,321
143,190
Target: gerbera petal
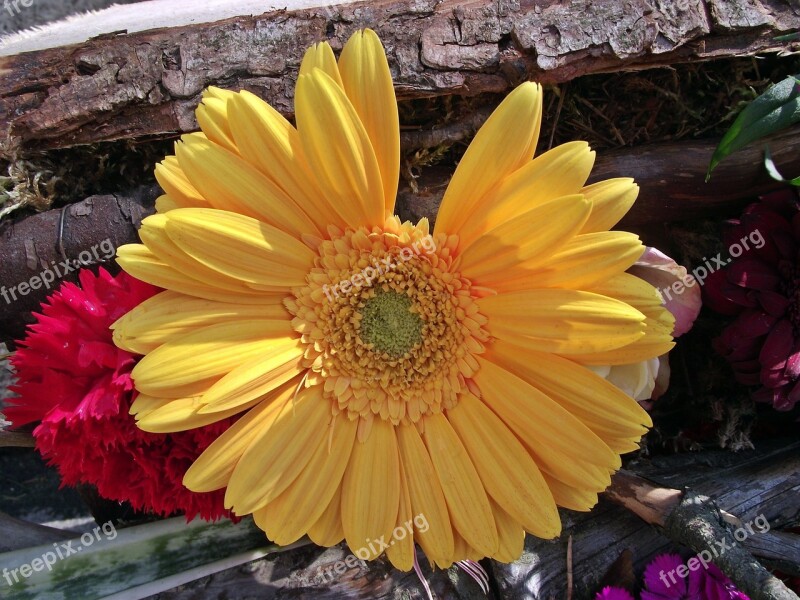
x,y
507,471
275,459
212,116
339,150
560,443
610,413
287,518
502,145
611,200
527,239
320,56
195,361
230,183
562,321
466,498
153,233
140,262
174,182
254,378
240,246
213,469
328,530
427,497
273,145
176,414
573,498
165,203
559,172
168,315
510,533
582,262
401,549
371,490
368,83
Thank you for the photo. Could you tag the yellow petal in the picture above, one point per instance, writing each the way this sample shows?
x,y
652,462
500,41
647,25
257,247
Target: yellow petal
x,y
572,498
275,459
511,535
165,203
611,200
368,83
320,56
287,518
179,414
371,491
230,183
140,262
212,115
273,146
611,414
338,150
559,172
153,233
254,378
196,360
562,321
328,530
401,549
169,315
214,467
559,442
507,471
505,143
466,498
427,498
240,247
583,261
529,238
174,182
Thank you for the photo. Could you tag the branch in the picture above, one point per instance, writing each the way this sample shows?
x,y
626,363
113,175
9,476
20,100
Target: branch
x,y
695,521
147,83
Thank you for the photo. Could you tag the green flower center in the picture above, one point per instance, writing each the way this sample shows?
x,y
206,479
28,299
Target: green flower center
x,y
389,323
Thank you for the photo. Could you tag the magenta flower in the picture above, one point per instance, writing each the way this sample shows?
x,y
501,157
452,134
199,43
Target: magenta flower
x,y
663,581
760,286
613,593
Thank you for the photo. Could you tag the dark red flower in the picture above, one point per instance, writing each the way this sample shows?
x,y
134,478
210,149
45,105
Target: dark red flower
x,y
73,379
760,286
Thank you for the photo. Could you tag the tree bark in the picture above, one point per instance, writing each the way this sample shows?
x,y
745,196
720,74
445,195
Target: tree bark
x,y
148,83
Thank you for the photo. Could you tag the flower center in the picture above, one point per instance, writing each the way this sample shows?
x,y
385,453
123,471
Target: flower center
x,y
389,324
390,327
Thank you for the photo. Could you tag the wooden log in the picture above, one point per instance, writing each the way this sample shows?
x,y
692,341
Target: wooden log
x,y
147,83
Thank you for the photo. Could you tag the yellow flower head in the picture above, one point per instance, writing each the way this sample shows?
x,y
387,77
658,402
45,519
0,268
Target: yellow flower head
x,y
398,385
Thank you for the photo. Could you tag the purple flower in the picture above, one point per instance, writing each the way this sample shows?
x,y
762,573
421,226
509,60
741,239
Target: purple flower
x,y
613,593
662,581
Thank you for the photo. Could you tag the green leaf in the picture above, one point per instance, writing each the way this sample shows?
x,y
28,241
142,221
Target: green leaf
x,y
769,164
775,109
132,563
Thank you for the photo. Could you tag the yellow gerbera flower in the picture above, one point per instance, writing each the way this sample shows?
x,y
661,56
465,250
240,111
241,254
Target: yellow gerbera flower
x,y
397,385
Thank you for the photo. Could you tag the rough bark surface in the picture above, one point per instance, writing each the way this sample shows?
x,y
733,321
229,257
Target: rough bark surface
x,y
149,83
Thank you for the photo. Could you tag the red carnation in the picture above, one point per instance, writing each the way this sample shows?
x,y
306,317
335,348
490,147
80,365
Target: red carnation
x,y
760,286
73,379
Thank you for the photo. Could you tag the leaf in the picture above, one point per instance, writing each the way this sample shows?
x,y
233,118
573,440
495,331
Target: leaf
x,y
769,164
775,109
136,562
